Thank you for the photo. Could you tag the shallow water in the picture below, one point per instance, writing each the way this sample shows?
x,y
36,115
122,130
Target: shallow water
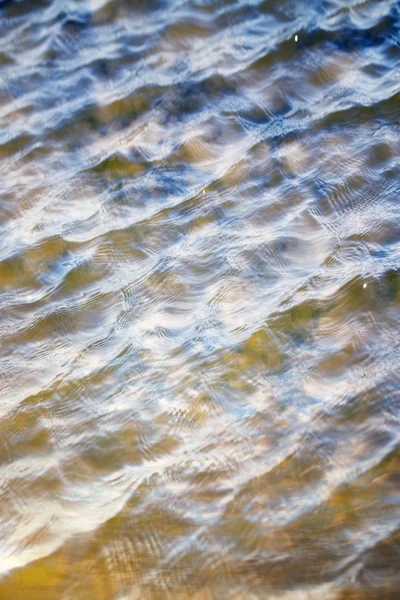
x,y
199,299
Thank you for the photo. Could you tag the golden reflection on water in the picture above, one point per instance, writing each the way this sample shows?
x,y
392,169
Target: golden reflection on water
x,y
199,300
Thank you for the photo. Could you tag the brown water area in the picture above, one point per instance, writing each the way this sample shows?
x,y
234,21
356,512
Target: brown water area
x,y
199,300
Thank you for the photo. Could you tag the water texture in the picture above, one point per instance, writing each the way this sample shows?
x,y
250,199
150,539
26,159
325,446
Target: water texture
x,y
199,299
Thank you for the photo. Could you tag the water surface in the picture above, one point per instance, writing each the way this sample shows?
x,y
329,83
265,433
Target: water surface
x,y
199,299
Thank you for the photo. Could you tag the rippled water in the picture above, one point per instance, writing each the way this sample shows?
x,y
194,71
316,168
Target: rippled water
x,y
199,299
